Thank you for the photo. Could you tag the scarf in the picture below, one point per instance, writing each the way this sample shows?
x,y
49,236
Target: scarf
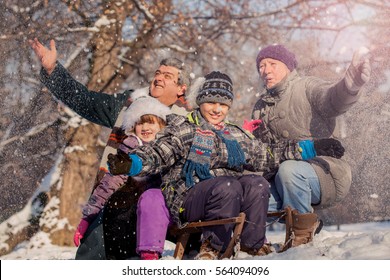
x,y
199,158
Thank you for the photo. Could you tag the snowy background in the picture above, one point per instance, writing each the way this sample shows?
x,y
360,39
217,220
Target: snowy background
x,y
44,186
366,241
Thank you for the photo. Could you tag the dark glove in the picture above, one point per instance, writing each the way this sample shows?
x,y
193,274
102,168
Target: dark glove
x,y
329,147
119,163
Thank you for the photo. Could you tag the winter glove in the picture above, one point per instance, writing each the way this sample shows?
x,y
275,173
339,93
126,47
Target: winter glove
x,y
306,147
80,231
119,163
358,72
251,125
329,147
124,164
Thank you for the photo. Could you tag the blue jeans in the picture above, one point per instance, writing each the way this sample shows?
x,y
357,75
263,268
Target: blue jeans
x,y
296,185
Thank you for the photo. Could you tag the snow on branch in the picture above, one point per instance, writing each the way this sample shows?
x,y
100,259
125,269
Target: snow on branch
x,y
93,29
144,10
71,118
32,81
19,10
125,60
76,52
179,48
31,132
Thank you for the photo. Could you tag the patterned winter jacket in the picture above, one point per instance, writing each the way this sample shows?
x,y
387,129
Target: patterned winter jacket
x,y
168,154
306,108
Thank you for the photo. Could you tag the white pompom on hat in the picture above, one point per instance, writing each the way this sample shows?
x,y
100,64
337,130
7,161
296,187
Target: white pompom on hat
x,y
143,104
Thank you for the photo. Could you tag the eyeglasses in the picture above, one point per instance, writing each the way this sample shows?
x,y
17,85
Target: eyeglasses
x,y
167,76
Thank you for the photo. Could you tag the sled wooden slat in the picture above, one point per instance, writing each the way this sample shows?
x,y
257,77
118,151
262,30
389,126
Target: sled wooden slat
x,y
281,213
184,233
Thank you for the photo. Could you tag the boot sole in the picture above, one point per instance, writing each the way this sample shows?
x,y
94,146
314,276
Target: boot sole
x,y
319,228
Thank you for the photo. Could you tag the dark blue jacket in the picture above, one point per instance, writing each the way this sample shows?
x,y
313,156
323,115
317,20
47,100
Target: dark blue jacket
x,y
97,107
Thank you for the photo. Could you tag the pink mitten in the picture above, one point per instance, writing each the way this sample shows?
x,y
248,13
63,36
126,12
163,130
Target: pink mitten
x,y
251,125
80,231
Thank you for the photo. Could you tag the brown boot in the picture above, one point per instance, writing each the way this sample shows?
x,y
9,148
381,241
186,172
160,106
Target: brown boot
x,y
263,251
300,228
207,252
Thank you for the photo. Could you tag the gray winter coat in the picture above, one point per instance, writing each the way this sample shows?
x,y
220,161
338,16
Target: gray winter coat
x,y
306,108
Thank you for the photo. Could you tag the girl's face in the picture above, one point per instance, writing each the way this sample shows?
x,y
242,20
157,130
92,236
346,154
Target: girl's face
x,y
147,131
214,113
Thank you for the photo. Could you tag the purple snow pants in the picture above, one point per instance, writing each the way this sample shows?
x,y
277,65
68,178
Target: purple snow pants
x,y
225,197
152,221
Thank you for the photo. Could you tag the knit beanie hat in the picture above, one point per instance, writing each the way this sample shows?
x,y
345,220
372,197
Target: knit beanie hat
x,y
277,52
143,104
215,87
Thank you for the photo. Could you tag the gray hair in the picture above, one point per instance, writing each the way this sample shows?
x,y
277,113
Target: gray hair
x,y
184,75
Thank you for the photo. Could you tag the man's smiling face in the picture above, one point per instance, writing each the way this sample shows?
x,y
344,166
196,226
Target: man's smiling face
x,y
164,85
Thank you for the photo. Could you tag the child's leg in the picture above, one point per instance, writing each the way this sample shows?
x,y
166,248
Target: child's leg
x,y
254,205
152,221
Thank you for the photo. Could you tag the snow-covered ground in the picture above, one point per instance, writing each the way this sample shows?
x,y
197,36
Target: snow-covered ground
x,y
368,241
359,251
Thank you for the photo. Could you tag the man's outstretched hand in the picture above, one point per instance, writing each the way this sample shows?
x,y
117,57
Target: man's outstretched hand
x,y
47,57
358,73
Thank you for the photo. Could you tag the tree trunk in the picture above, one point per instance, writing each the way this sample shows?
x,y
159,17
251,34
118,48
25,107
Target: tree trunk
x,y
80,162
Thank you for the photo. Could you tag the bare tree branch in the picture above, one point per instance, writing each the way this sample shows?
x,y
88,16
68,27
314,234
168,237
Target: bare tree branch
x,y
31,132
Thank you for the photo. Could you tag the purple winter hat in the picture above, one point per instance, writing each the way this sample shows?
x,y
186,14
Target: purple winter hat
x,y
277,52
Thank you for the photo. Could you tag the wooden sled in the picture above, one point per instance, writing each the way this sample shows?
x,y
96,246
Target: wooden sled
x,y
184,233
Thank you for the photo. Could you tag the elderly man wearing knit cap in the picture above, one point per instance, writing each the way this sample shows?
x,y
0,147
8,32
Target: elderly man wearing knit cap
x,y
295,107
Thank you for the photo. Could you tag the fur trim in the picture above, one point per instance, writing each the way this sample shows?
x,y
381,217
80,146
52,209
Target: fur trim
x,y
194,91
143,105
139,93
